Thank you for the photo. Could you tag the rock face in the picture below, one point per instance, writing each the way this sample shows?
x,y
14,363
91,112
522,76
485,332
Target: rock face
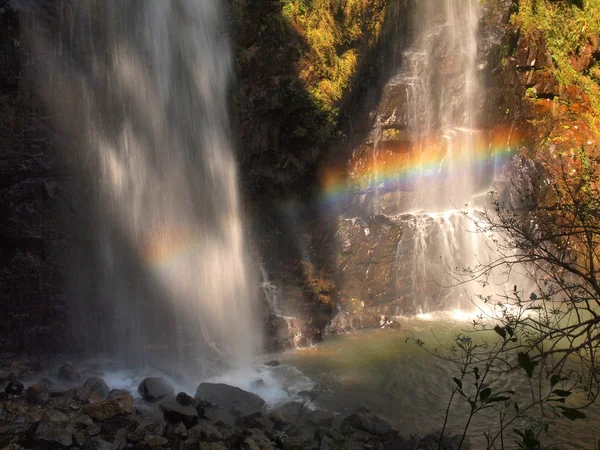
x,y
228,397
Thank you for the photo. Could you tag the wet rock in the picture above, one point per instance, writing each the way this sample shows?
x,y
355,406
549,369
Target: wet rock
x,y
155,441
155,388
14,388
220,416
179,431
326,444
116,392
53,435
156,428
281,421
82,420
369,423
97,443
204,431
79,438
38,394
106,409
272,363
97,385
175,412
186,400
258,383
93,429
319,418
213,446
228,397
54,415
68,372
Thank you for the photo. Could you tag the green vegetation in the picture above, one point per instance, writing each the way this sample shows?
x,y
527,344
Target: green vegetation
x,y
569,29
336,32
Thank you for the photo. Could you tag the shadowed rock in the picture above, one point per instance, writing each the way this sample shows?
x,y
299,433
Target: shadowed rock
x,y
155,388
228,397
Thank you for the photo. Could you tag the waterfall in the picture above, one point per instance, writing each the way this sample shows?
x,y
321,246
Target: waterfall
x,y
167,242
439,75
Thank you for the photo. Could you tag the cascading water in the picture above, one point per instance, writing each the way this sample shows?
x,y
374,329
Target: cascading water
x,y
439,75
169,254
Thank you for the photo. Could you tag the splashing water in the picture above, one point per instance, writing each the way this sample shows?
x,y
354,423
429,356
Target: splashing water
x,y
167,249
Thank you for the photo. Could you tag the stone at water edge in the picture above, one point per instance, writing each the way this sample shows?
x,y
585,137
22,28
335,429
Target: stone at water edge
x,y
174,412
14,388
97,385
370,423
38,394
68,372
186,400
228,397
106,409
273,363
155,388
115,392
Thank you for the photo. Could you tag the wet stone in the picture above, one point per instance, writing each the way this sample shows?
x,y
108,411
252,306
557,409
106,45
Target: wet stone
x,y
38,394
14,388
175,412
106,409
116,392
68,372
228,397
369,423
53,434
54,415
97,385
155,388
155,441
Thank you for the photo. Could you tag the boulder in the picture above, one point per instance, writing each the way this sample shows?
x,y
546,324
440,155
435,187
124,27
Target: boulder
x,y
54,415
106,409
155,388
204,432
38,394
68,372
186,400
174,412
53,435
228,397
14,388
98,386
369,423
115,392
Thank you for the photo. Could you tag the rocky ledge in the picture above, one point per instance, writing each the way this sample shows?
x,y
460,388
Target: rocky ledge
x,y
92,416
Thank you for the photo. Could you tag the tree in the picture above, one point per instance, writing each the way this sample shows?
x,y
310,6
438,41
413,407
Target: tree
x,y
543,230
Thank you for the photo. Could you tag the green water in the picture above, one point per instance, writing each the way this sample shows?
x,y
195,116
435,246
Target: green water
x,y
378,369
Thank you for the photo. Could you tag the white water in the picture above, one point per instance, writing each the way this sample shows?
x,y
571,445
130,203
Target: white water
x,y
439,73
167,240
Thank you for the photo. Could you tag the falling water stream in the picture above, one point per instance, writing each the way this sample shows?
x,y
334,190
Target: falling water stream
x,y
169,248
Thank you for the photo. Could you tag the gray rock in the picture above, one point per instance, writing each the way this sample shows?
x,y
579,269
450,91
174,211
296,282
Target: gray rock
x,y
175,412
53,434
38,394
68,372
14,388
369,423
155,441
115,392
228,397
54,415
204,432
186,400
98,443
155,388
98,386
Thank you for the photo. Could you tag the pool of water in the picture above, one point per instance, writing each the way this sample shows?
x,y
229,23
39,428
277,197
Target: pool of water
x,y
378,369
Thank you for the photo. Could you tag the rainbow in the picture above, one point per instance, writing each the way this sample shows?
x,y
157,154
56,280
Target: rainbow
x,y
402,166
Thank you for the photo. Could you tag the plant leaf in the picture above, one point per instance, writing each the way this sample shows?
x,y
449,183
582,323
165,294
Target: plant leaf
x,y
458,382
527,364
561,393
572,414
501,331
485,393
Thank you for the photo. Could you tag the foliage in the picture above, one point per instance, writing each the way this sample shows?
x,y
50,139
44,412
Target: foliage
x,y
335,32
567,27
